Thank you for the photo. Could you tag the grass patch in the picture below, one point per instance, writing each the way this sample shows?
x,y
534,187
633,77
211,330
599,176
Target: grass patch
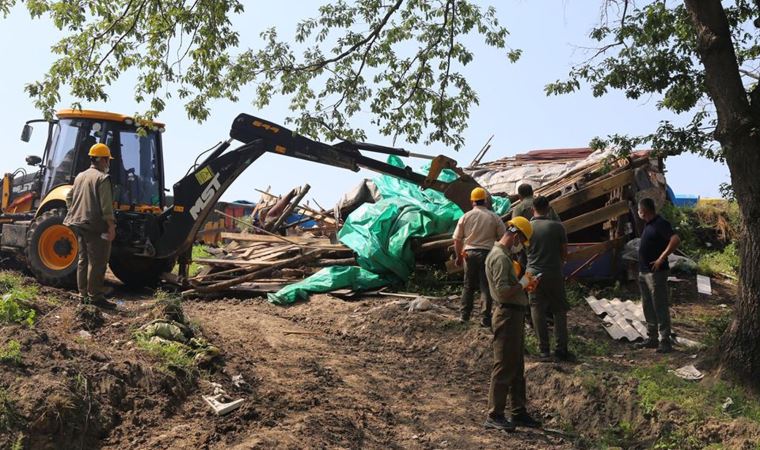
x,y
9,417
622,435
199,251
582,346
575,293
10,353
531,343
699,400
432,282
174,356
712,263
15,301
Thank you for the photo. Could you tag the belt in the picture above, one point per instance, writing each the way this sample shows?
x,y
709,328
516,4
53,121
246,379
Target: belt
x,y
512,306
482,250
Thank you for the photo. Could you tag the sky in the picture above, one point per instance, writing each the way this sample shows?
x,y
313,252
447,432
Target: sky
x,y
513,107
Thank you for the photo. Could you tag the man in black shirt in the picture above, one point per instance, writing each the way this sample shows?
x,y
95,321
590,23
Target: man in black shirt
x,y
657,242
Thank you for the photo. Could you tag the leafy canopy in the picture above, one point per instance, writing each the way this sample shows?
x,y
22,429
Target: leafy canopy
x,y
400,60
652,51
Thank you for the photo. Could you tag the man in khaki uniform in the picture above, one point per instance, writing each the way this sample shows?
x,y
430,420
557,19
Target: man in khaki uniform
x,y
90,215
474,236
546,256
508,374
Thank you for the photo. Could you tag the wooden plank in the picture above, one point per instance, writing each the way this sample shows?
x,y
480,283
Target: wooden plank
x,y
592,250
257,273
591,191
594,217
265,238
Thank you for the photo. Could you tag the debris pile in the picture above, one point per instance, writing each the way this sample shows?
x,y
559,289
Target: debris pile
x,y
594,193
261,263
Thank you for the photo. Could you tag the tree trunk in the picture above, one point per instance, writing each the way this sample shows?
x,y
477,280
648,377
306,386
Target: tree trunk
x,y
738,132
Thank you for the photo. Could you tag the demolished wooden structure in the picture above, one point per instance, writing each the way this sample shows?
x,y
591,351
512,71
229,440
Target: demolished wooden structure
x,y
594,193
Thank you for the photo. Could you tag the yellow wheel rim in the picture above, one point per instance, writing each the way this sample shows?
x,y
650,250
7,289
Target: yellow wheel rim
x,y
57,247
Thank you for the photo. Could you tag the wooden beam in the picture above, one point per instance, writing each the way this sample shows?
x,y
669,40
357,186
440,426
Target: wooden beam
x,y
595,249
591,191
594,217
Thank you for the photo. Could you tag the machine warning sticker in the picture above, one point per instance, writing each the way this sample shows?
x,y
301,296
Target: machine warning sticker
x,y
204,175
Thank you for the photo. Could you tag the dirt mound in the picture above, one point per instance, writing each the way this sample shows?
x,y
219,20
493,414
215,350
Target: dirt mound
x,y
81,381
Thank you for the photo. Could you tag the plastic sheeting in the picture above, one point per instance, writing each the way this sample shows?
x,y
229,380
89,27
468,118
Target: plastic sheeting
x,y
379,234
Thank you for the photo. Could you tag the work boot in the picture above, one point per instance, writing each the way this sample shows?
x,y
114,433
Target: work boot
x,y
485,322
499,423
564,355
647,343
101,302
544,356
464,318
665,346
523,419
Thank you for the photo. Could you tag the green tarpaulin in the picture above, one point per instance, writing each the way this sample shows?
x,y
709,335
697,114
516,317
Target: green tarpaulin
x,y
379,234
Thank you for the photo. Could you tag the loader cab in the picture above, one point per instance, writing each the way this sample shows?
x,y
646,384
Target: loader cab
x,y
136,170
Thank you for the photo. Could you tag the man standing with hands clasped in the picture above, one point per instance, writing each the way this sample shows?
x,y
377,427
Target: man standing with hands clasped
x,y
508,374
90,215
546,256
474,237
657,242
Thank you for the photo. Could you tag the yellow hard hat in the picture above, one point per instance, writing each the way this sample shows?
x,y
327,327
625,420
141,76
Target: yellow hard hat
x,y
523,225
478,194
100,151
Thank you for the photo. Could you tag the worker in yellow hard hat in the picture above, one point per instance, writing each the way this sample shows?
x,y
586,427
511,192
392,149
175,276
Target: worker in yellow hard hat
x,y
90,214
474,236
508,373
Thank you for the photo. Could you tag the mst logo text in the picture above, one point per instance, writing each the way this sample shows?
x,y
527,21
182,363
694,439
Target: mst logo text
x,y
205,197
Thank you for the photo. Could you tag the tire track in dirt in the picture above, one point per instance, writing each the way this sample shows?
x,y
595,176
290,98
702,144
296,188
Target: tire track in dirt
x,y
320,385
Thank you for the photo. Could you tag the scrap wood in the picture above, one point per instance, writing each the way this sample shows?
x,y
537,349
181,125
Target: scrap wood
x,y
257,273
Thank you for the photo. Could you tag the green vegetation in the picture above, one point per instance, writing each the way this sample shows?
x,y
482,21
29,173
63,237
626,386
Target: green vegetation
x,y
11,353
575,293
432,282
9,417
583,346
199,251
703,230
699,400
621,435
720,262
15,301
174,356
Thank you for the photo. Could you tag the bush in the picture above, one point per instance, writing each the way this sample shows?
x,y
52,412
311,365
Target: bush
x,y
11,352
15,301
725,262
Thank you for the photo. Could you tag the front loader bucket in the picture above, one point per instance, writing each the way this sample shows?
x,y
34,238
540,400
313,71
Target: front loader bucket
x,y
458,191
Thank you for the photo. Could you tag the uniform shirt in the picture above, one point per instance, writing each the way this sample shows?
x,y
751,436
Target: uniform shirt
x,y
545,251
90,201
654,239
525,209
501,276
479,228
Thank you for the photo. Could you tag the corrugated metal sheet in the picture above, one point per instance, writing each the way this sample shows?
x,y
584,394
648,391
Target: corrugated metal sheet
x,y
621,319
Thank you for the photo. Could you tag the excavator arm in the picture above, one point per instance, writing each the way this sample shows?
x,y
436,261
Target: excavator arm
x,y
196,195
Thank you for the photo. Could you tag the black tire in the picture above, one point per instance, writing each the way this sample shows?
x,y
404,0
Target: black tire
x,y
51,250
138,271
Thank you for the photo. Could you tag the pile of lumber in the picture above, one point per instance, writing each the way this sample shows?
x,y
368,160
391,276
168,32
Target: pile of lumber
x,y
260,263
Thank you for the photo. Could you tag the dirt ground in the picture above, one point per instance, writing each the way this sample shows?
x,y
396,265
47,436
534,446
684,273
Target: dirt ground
x,y
327,373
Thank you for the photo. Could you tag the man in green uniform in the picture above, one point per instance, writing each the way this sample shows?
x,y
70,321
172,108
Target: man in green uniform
x,y
508,374
525,207
90,215
546,256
